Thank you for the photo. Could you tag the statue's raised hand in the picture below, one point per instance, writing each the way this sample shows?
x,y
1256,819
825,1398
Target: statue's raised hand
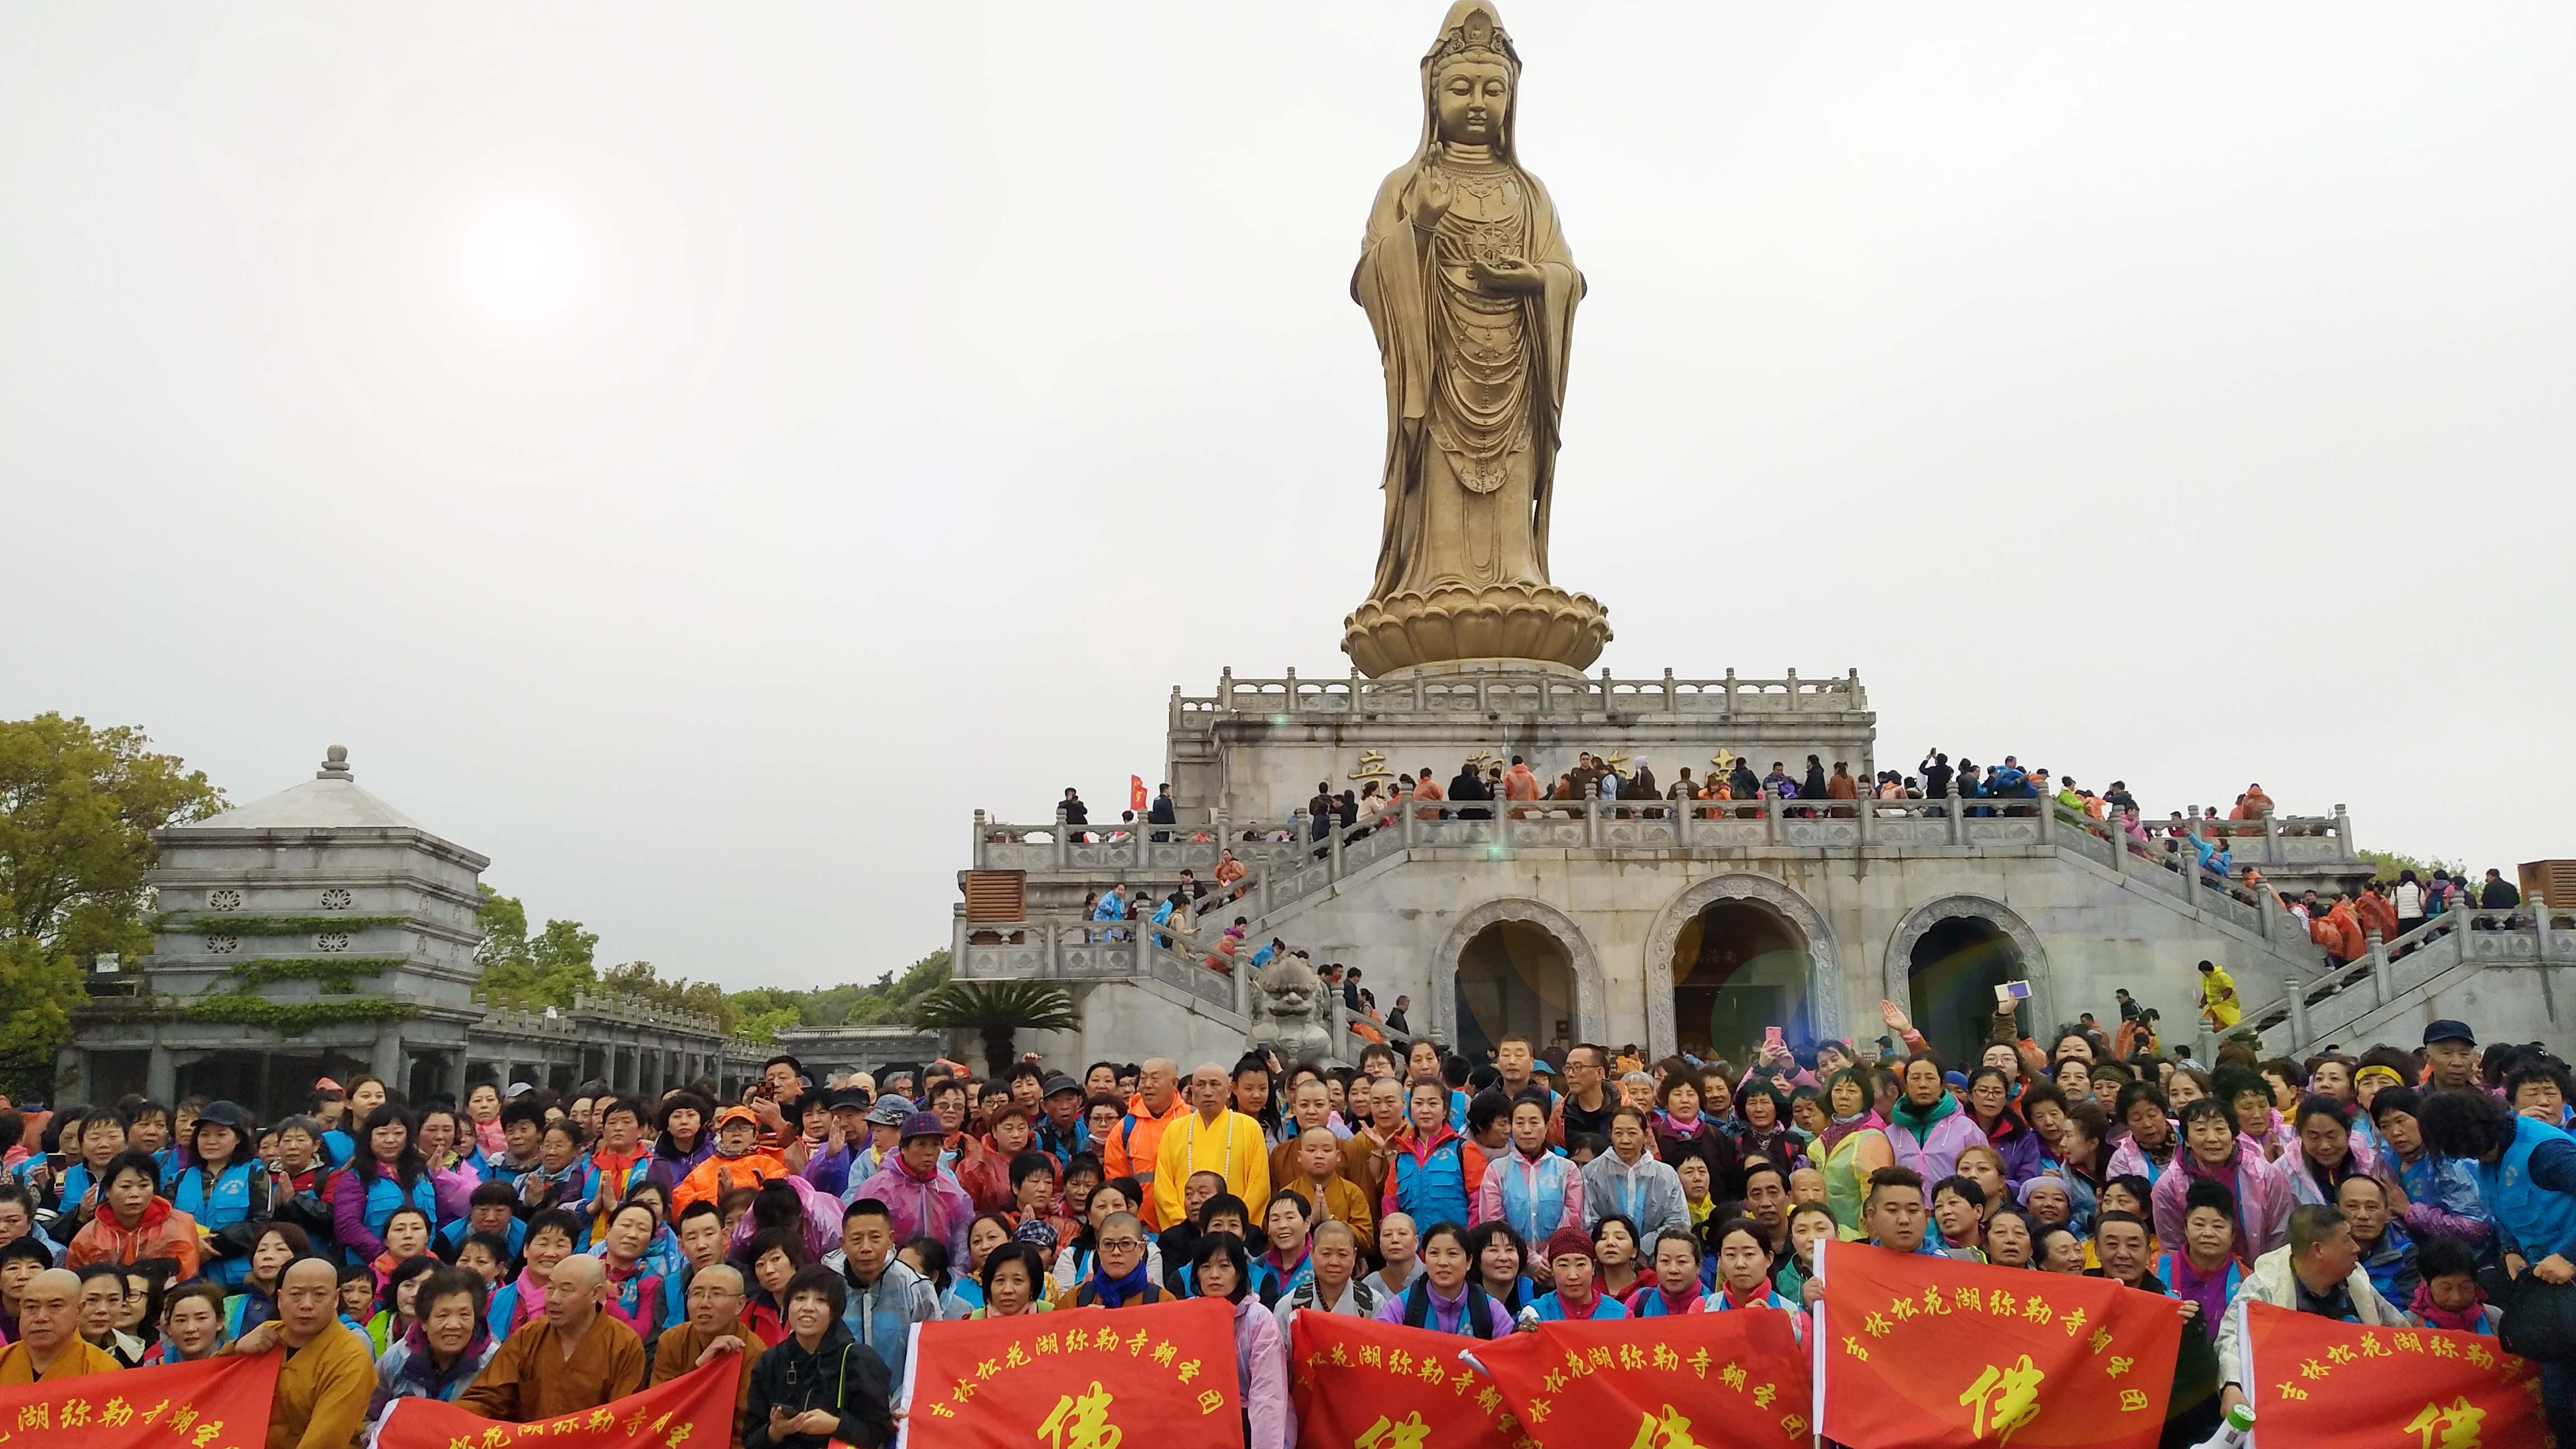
x,y
1507,276
1428,198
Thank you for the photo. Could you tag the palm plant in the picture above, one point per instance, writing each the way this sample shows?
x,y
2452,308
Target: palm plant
x,y
996,1009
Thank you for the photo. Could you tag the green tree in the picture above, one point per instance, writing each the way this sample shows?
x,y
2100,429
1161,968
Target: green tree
x,y
525,973
996,1010
2387,863
77,810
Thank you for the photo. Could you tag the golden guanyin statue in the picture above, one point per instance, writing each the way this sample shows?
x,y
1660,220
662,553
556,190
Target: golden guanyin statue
x,y
1468,284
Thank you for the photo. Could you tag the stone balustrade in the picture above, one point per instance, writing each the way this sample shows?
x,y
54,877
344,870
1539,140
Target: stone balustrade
x,y
1134,853
1520,693
1074,952
2332,1000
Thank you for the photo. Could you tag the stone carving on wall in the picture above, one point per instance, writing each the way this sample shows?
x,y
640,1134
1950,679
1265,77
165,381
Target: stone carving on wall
x,y
1290,1011
1898,984
1824,980
1591,993
1470,290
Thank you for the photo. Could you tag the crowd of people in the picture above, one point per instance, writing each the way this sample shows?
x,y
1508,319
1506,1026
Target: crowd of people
x,y
530,1254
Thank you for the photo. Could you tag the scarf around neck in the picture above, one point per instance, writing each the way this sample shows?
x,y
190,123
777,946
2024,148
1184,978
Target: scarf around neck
x,y
1114,1292
1921,1120
1842,1127
2468,1320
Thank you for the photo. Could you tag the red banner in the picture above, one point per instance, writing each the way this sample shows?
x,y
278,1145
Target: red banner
x,y
1137,799
1733,1380
1922,1352
694,1410
2318,1381
1159,1376
1361,1384
216,1403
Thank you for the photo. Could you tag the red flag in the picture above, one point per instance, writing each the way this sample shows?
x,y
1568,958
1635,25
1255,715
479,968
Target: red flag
x,y
1358,1382
215,1403
694,1410
1156,1377
2319,1381
1137,799
1733,1380
1921,1351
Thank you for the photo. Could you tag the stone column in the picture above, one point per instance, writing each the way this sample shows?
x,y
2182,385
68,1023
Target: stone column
x,y
161,1078
385,1059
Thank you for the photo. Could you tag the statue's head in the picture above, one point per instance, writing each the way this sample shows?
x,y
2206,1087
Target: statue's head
x,y
1469,78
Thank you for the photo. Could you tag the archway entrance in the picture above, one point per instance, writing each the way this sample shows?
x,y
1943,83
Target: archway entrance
x,y
1952,973
1739,968
1514,979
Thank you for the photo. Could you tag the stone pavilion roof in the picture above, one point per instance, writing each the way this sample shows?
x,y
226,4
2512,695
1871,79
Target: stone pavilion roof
x,y
330,800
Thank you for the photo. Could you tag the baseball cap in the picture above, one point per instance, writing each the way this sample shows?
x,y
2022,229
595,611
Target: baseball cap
x,y
845,1099
921,1124
2448,1030
737,1114
1058,1084
520,1089
889,1111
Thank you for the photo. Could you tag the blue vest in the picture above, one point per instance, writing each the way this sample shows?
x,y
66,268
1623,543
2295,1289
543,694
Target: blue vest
x,y
227,1204
1434,1191
385,1194
1535,1212
2541,1222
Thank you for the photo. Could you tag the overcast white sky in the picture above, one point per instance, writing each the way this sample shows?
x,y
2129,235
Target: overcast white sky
x,y
694,455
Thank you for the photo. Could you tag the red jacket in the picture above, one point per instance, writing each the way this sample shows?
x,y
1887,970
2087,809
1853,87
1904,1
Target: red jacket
x,y
163,1232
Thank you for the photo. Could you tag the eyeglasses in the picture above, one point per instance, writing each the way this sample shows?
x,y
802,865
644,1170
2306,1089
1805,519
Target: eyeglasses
x,y
1121,1245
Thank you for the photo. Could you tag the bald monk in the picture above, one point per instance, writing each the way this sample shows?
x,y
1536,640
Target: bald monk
x,y
329,1373
575,1358
713,1329
49,1343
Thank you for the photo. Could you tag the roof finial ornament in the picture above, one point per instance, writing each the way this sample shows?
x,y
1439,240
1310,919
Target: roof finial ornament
x,y
335,764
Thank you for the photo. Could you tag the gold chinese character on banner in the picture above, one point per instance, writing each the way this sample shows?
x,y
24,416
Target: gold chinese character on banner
x,y
1081,1422
1668,1430
1395,1432
2458,1425
2008,1398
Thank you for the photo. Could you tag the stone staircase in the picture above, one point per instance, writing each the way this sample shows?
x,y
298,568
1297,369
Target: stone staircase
x,y
2352,1002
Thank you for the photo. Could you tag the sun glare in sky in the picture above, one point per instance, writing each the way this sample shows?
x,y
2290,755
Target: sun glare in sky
x,y
527,265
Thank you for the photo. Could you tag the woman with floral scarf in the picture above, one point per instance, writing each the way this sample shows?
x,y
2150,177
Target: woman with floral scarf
x,y
1851,1149
1680,1132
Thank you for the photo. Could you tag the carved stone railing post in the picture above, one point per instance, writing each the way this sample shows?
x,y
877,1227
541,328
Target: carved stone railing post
x,y
1412,825
1266,872
2343,832
1958,810
1672,696
2539,924
1730,692
978,855
1225,689
1242,982
1771,811
2048,820
2119,838
1334,861
1793,691
2378,968
2272,839
1051,960
1063,840
1295,706
1592,816
2298,1000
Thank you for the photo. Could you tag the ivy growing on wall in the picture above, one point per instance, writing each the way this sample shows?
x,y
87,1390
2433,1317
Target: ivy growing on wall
x,y
335,974
292,1018
272,925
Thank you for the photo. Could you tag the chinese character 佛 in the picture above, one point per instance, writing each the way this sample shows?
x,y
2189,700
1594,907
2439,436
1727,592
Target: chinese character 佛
x,y
1080,1423
2006,1397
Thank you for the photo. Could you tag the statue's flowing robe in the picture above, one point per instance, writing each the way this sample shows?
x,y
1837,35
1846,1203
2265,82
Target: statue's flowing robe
x,y
1399,285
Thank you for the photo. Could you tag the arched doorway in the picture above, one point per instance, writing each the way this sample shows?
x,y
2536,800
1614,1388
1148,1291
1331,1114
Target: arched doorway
x,y
1515,978
1952,973
1739,968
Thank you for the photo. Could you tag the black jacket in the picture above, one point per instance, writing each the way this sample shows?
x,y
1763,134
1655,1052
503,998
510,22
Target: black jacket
x,y
842,1375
